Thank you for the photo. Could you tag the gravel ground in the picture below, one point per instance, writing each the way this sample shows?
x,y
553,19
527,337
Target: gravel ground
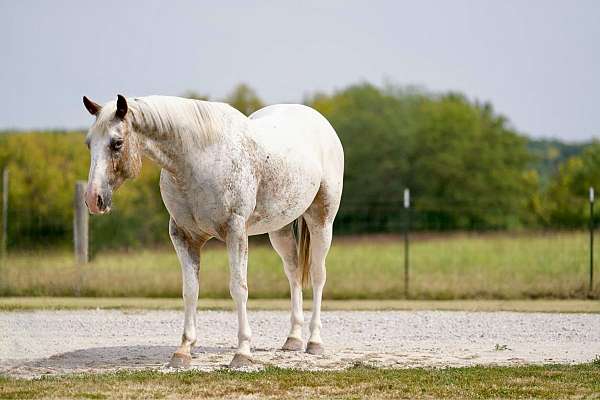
x,y
58,342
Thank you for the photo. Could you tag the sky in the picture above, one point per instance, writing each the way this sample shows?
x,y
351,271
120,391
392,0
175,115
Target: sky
x,y
537,62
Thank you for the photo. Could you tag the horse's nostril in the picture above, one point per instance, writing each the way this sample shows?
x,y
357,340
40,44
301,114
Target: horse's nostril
x,y
99,202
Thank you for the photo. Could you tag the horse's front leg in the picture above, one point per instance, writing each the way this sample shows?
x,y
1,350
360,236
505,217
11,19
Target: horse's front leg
x,y
237,248
188,252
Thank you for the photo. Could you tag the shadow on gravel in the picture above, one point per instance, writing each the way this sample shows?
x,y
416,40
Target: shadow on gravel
x,y
115,357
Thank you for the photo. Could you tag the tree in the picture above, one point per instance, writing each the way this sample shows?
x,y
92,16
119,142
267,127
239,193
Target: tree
x,y
191,94
43,170
469,169
466,168
566,198
245,99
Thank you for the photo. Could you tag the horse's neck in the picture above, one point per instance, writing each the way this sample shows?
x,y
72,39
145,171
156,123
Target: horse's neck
x,y
167,139
157,151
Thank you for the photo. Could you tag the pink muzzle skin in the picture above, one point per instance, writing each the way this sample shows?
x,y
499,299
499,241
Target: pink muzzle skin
x,y
92,200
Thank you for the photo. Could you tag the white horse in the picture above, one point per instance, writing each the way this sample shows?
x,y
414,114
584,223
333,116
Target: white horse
x,y
227,176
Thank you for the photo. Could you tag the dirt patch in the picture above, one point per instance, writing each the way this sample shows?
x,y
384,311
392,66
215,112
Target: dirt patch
x,y
58,342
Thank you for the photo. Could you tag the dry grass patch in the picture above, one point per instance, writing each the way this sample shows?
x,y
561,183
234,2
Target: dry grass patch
x,y
126,303
556,381
491,266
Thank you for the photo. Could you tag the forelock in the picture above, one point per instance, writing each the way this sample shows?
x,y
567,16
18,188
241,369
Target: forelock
x,y
103,120
107,114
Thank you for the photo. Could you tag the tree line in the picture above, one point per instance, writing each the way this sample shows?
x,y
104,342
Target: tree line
x,y
466,166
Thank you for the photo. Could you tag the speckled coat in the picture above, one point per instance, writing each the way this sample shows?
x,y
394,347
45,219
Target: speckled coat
x,y
227,176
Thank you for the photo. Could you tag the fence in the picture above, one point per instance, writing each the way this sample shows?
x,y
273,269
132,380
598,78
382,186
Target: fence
x,y
385,250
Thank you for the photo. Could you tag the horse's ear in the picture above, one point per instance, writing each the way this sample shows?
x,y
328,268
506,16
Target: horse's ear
x,y
92,107
121,107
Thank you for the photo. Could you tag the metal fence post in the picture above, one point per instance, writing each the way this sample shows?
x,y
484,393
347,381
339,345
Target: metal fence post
x,y
406,239
591,239
80,230
4,243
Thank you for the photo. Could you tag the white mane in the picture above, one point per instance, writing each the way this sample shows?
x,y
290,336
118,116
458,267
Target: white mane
x,y
192,122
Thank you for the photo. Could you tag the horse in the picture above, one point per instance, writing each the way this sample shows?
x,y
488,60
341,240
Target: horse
x,y
227,176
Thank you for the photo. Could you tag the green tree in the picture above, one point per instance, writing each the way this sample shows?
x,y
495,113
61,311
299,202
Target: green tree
x,y
376,131
566,200
467,169
191,94
550,154
43,170
245,99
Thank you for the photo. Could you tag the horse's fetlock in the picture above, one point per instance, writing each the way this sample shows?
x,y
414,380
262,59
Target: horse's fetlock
x,y
188,338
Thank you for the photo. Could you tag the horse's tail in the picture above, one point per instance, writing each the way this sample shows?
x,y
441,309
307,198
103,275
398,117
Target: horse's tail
x,y
303,246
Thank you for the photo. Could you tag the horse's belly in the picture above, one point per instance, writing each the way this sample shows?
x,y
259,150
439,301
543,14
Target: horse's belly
x,y
275,216
282,199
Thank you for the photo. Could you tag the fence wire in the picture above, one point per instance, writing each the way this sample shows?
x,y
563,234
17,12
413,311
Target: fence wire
x,y
131,255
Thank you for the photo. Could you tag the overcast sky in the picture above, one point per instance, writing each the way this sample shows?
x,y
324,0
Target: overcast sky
x,y
538,62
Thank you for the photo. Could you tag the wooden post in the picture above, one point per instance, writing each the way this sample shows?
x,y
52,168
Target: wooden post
x,y
80,224
80,231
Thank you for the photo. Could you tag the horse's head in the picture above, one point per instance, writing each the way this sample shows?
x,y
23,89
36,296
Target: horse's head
x,y
115,154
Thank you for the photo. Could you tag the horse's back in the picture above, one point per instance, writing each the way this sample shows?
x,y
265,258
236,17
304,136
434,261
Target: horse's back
x,y
299,130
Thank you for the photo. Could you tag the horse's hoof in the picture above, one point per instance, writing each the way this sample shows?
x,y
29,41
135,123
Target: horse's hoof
x,y
292,344
316,349
180,360
241,361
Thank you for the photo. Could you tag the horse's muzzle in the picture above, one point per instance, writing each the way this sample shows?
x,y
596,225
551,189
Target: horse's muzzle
x,y
98,202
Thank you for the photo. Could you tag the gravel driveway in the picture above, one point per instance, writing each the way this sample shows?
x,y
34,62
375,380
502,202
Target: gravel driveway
x,y
56,342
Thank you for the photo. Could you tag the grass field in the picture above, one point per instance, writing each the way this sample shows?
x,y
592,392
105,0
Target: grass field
x,y
459,266
551,382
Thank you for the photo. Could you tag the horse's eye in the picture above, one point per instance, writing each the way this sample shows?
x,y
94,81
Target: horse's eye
x,y
116,144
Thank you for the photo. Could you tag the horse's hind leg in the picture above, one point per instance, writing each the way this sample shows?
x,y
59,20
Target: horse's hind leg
x,y
320,241
284,244
319,218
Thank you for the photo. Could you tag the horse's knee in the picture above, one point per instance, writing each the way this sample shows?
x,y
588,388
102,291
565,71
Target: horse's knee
x,y
238,289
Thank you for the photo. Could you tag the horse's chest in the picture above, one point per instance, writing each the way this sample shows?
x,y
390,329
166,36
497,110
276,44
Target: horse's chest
x,y
183,206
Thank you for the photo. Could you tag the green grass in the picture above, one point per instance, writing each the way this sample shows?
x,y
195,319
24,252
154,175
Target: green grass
x,y
543,382
144,303
459,266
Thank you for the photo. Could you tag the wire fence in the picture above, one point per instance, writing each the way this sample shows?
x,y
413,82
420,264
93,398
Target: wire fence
x,y
389,248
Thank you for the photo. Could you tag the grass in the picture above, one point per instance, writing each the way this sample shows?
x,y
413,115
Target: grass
x,y
543,382
142,303
458,266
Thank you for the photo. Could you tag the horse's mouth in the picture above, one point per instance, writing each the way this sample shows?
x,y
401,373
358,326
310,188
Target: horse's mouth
x,y
100,206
